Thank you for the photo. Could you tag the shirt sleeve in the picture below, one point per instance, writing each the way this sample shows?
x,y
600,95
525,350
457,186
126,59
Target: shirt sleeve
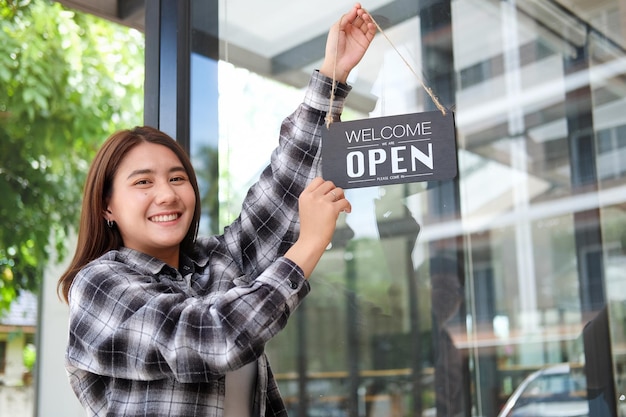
x,y
268,223
140,327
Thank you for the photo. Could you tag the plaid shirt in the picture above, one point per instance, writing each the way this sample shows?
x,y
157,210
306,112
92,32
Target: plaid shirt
x,y
148,340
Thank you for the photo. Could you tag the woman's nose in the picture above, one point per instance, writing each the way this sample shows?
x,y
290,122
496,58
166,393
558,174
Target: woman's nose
x,y
166,193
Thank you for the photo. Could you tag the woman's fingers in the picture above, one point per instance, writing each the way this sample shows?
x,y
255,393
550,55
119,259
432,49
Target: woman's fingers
x,y
321,187
320,205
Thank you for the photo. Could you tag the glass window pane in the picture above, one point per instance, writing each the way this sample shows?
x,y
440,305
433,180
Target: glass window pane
x,y
444,298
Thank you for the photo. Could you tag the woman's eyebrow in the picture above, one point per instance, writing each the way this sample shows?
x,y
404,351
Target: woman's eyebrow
x,y
145,171
178,169
140,172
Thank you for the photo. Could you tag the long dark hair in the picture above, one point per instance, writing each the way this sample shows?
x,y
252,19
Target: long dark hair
x,y
94,236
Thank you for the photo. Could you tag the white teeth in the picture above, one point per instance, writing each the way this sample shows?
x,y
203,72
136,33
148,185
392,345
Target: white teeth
x,y
164,218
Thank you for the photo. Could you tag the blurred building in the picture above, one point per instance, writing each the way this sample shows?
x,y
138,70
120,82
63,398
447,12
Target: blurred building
x,y
17,334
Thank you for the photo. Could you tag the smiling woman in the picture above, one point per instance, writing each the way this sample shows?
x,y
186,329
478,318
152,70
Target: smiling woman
x,y
164,323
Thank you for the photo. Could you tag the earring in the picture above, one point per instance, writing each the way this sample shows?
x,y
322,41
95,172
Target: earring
x,y
110,223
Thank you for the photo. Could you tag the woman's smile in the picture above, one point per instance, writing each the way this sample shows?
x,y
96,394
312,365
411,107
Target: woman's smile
x,y
164,218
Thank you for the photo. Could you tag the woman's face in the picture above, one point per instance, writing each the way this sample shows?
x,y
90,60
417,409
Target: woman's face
x,y
152,202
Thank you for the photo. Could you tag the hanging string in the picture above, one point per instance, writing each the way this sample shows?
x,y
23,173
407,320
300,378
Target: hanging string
x,y
329,114
429,91
434,98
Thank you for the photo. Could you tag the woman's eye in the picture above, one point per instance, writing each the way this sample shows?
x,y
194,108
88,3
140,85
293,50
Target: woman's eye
x,y
177,179
142,182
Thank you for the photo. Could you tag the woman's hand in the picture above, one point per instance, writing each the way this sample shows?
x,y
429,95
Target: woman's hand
x,y
319,207
347,42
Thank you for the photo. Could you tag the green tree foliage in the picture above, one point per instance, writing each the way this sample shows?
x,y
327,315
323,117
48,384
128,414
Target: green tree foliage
x,y
67,81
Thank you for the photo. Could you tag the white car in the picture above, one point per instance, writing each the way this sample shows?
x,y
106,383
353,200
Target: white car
x,y
555,391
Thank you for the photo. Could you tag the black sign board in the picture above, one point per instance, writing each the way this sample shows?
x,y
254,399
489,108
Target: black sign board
x,y
390,150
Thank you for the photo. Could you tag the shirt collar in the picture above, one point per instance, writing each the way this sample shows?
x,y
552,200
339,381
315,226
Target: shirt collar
x,y
155,266
142,261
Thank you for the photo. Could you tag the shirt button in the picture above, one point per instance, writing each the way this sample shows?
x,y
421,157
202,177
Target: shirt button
x,y
293,285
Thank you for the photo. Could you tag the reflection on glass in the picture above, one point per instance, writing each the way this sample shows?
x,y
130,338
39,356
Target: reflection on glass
x,y
553,391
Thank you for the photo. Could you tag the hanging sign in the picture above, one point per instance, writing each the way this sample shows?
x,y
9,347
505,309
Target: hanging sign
x,y
390,150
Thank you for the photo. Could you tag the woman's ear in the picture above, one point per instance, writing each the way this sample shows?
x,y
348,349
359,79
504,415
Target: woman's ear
x,y
108,218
